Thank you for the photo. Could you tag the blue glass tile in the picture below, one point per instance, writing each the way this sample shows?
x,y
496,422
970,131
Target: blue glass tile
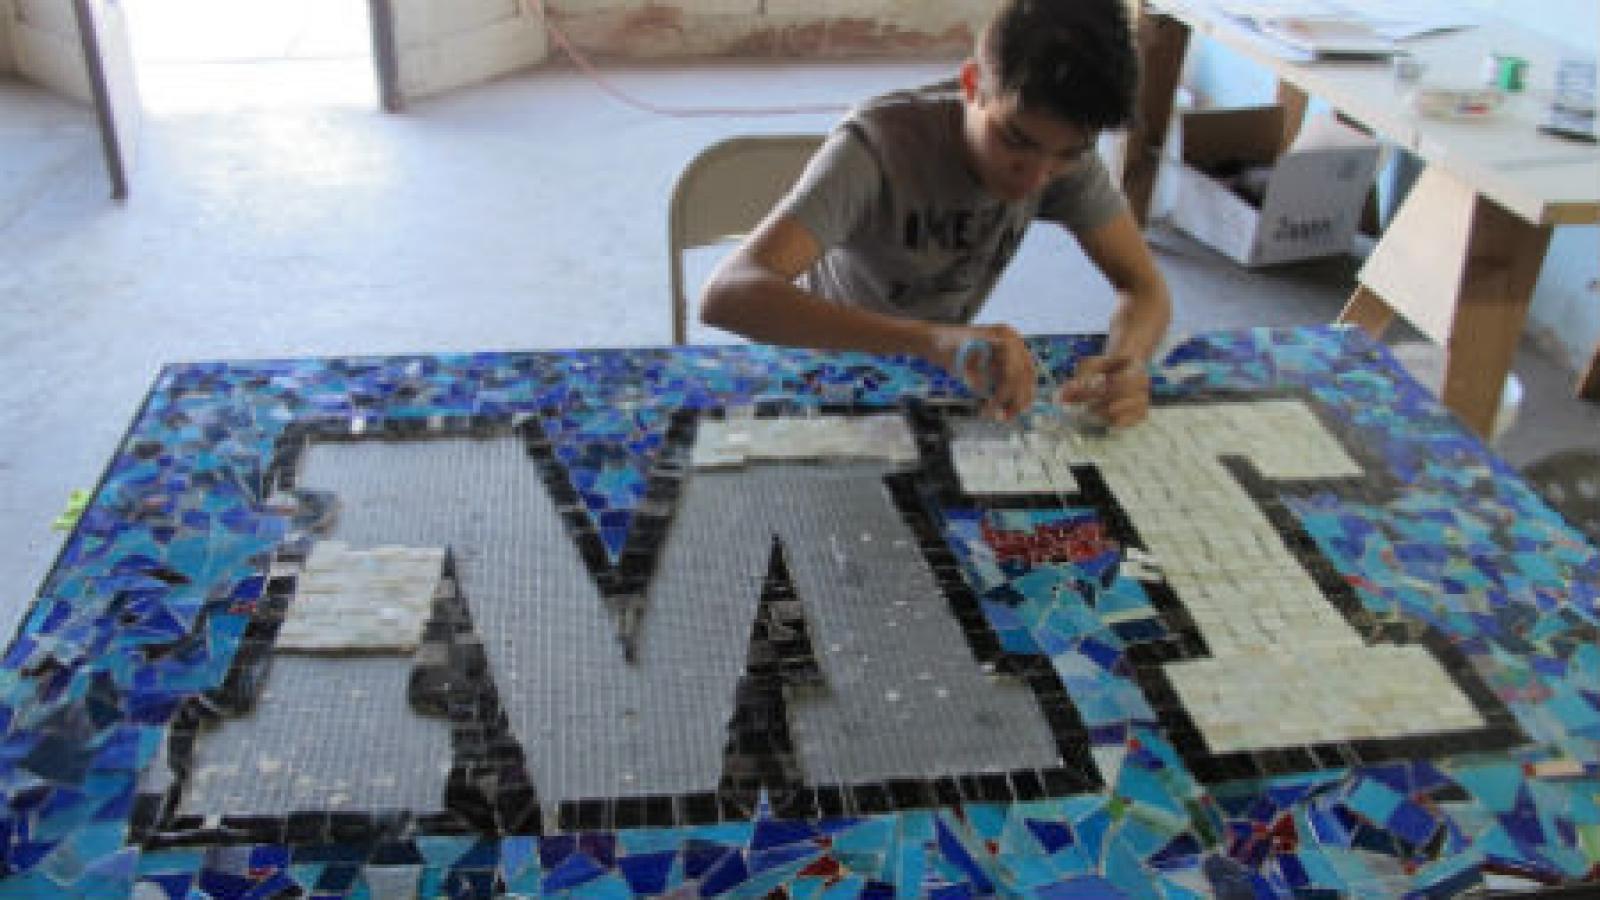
x,y
112,875
1140,784
554,850
31,886
1052,836
573,871
1180,853
1103,654
485,854
605,887
870,835
1373,800
771,833
1522,821
517,854
952,850
269,857
1325,827
699,857
1084,887
725,875
225,886
911,867
1124,867
1412,823
780,857
442,852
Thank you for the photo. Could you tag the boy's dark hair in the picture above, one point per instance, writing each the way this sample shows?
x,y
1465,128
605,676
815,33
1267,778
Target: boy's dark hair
x,y
1072,58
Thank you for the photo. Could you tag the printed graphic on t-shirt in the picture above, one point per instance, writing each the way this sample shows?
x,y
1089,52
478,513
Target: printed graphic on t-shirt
x,y
982,240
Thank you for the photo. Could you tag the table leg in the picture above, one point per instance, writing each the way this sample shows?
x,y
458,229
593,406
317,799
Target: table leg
x,y
1368,312
1462,269
1293,100
1370,221
1589,384
1162,43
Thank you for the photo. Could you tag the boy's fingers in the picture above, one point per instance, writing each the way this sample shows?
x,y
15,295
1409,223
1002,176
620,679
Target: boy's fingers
x,y
1014,382
1125,411
1114,389
1084,388
1115,365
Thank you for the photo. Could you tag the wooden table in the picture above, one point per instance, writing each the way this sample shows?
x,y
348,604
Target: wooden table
x,y
1462,256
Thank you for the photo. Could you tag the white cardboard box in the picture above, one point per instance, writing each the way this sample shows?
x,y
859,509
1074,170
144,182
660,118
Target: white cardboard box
x,y
1314,194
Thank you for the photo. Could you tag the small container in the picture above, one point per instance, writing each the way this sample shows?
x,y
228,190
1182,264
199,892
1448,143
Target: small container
x,y
1575,87
1457,103
1505,72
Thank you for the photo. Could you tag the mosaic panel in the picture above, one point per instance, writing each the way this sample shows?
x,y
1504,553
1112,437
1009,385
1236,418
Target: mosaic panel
x,y
1143,640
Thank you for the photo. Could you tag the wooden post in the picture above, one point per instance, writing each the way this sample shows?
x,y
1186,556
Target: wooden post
x,y
1589,384
1503,261
1367,311
1163,41
1293,100
1462,269
386,56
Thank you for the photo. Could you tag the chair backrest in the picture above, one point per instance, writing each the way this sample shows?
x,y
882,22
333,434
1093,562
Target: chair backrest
x,y
725,191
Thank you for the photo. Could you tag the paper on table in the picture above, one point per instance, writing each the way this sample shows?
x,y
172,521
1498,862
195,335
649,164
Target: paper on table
x,y
1304,30
1327,36
1394,20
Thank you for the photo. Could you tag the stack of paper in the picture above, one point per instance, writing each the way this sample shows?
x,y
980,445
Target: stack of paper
x,y
1324,36
1314,29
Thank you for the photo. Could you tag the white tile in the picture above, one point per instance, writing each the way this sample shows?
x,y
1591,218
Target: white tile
x,y
361,600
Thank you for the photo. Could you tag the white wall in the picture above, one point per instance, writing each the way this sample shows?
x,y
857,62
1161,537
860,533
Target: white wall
x,y
445,44
1575,22
777,28
1566,303
47,49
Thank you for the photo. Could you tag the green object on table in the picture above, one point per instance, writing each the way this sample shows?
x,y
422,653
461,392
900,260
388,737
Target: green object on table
x,y
77,502
1509,72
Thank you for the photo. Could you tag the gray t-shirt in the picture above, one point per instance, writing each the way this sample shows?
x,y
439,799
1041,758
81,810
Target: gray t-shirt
x,y
906,228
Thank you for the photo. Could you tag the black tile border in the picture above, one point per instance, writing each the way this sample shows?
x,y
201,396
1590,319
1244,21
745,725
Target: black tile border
x,y
489,788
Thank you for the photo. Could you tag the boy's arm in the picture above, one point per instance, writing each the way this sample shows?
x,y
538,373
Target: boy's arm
x,y
753,294
1144,307
1117,384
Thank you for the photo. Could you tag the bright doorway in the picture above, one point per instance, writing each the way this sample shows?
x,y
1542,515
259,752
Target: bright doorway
x,y
210,56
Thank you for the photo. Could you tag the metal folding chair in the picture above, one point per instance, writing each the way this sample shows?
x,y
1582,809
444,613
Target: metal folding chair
x,y
725,191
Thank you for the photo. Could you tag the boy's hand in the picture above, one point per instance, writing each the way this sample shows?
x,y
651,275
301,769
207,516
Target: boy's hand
x,y
1003,377
1114,388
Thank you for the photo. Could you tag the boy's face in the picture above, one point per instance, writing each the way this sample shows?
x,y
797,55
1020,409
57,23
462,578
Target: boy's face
x,y
1013,150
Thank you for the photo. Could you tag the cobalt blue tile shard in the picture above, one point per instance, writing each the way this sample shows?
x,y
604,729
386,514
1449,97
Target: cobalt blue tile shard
x,y
1424,554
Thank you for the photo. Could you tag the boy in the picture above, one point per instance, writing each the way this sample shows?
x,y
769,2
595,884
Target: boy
x,y
907,215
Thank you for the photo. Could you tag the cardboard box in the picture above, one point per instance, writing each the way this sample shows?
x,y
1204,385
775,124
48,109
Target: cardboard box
x,y
1312,197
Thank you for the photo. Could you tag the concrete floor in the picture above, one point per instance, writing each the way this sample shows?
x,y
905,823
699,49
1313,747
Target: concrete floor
x,y
525,214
